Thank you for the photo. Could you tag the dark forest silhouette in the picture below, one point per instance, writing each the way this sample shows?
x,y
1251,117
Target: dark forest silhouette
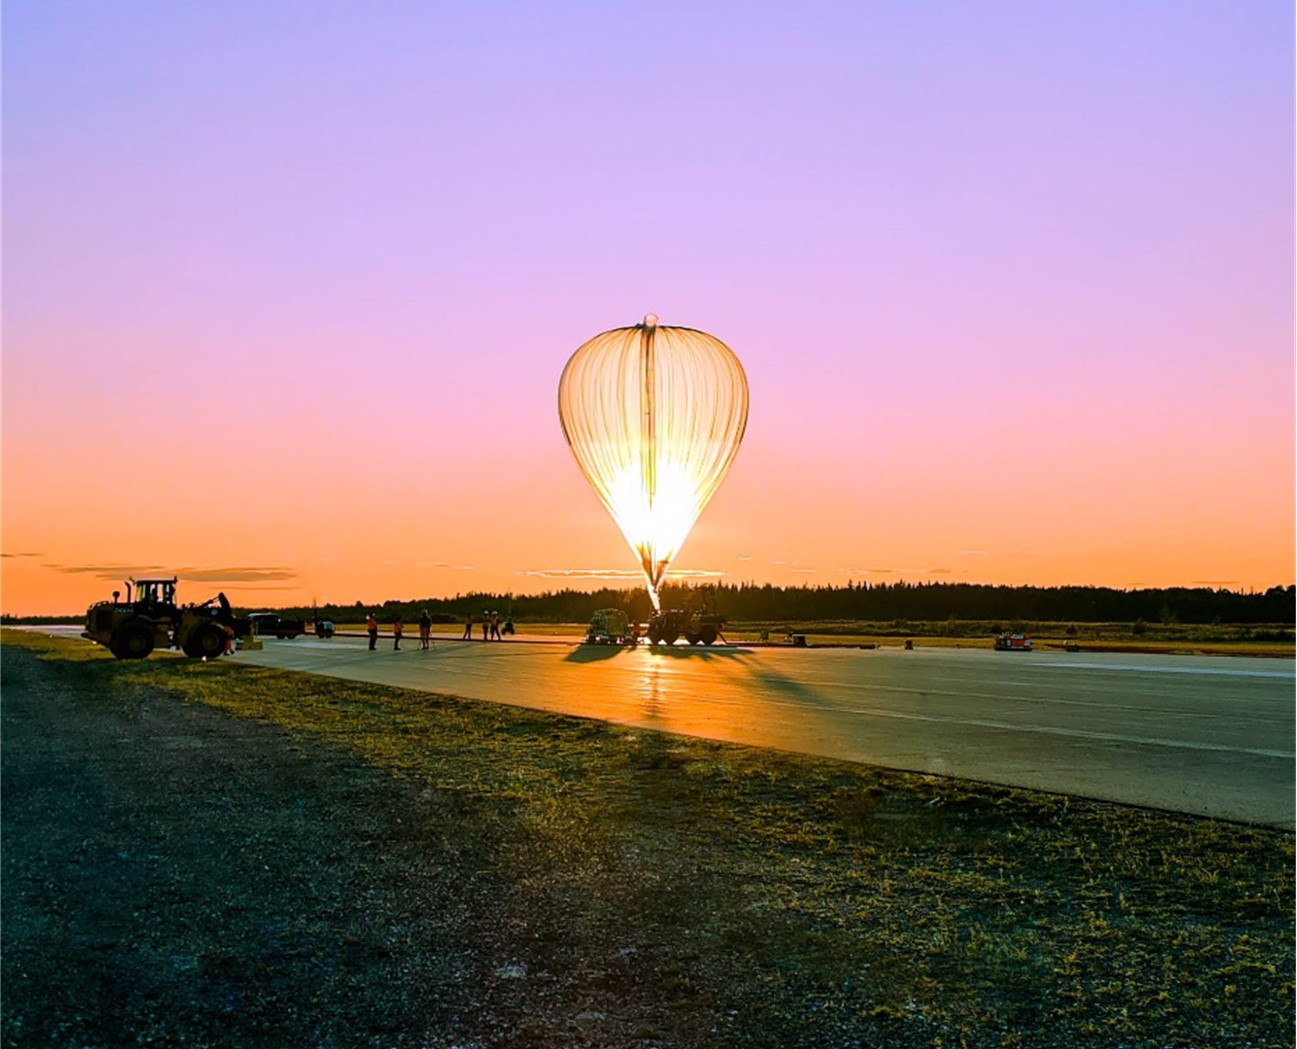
x,y
876,602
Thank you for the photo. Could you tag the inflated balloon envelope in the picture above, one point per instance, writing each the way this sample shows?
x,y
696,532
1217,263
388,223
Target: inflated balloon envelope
x,y
654,416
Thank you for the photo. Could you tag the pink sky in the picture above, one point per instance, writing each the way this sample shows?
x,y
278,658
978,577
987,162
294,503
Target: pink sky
x,y
288,289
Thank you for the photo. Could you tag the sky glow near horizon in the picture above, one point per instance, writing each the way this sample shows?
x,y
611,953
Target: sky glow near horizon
x,y
289,288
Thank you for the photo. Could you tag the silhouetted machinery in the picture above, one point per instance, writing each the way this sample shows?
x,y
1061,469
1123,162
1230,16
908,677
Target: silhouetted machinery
x,y
698,628
609,626
149,618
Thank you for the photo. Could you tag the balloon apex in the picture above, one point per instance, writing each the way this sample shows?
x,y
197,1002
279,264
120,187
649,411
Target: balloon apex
x,y
650,320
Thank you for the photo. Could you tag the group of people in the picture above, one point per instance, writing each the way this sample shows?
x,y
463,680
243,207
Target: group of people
x,y
398,631
492,630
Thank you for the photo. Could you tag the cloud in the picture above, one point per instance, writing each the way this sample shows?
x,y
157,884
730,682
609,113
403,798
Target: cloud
x,y
804,571
22,555
745,557
1215,582
449,566
107,571
875,571
939,571
618,573
582,573
240,574
235,575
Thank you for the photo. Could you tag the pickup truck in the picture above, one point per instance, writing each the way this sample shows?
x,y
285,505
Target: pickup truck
x,y
267,623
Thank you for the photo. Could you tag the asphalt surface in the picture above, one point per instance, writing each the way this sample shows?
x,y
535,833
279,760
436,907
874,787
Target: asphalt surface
x,y
1212,736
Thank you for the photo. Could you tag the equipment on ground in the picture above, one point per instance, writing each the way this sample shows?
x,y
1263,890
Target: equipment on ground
x,y
609,626
1008,642
149,618
697,628
323,627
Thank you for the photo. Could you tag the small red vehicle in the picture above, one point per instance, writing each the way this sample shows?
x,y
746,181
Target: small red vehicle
x,y
1007,642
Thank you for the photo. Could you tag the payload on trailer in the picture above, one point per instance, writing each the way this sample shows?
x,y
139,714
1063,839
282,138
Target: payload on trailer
x,y
1008,642
609,626
149,618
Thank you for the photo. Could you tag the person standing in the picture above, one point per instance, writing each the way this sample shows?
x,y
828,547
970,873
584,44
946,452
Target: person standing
x,y
425,628
468,627
397,630
371,624
486,626
495,627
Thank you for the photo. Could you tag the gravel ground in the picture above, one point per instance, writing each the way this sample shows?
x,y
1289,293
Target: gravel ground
x,y
174,876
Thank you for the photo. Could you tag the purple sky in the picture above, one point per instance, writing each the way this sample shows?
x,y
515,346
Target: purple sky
x,y
940,236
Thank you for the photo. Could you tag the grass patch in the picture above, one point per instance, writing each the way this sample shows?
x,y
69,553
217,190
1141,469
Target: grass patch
x,y
727,895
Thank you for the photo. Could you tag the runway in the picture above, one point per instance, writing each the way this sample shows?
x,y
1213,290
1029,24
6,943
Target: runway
x,y
1212,736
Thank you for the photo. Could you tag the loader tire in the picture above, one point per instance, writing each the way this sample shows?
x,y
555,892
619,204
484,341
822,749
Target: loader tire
x,y
208,641
134,640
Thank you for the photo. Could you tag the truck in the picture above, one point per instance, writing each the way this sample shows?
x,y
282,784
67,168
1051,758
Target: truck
x,y
1013,642
149,618
267,623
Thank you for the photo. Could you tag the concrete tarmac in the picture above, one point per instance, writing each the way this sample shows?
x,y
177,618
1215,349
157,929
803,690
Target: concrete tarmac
x,y
1212,736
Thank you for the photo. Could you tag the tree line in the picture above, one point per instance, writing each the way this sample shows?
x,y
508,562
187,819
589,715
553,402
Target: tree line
x,y
874,602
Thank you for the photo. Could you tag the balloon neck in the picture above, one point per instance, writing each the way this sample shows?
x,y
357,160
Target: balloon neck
x,y
650,320
653,573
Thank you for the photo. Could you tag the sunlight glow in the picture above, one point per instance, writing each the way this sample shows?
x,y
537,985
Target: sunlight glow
x,y
654,416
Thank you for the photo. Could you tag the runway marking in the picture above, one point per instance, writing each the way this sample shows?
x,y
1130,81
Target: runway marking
x,y
1088,704
1110,737
1217,671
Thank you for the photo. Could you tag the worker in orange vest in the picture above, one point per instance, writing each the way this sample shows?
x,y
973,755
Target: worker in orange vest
x,y
371,624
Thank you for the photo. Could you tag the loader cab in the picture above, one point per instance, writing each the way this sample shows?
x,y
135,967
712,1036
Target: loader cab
x,y
157,594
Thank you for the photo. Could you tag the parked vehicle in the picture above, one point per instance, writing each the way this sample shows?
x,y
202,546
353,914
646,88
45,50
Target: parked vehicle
x,y
1008,642
270,623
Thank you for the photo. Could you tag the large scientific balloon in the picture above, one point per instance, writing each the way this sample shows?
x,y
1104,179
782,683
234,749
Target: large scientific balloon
x,y
654,416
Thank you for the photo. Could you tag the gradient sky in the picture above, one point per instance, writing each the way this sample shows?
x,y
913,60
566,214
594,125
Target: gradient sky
x,y
289,287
